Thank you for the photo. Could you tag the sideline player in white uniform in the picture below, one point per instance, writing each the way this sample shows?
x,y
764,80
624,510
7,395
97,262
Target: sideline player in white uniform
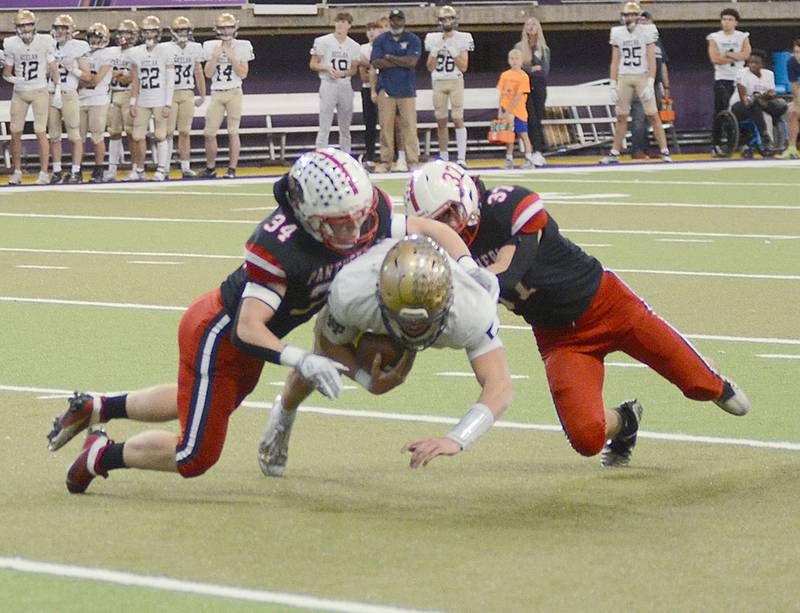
x,y
119,116
227,65
728,48
152,84
70,57
335,58
424,299
633,72
29,58
448,59
95,96
188,59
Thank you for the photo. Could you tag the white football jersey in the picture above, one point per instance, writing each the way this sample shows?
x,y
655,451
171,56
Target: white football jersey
x,y
122,63
472,323
225,76
339,56
633,47
66,57
151,65
99,94
30,61
728,43
185,59
753,84
447,49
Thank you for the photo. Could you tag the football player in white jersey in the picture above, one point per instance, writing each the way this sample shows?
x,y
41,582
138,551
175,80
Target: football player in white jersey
x,y
70,56
152,86
423,299
335,58
29,60
227,65
95,96
728,48
119,116
633,72
188,60
448,59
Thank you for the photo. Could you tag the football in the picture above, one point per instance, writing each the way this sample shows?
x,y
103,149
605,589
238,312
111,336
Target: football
x,y
371,344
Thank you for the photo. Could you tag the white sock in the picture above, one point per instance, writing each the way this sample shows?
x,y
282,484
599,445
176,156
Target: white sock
x,y
162,151
529,156
75,169
401,157
185,165
461,144
170,149
509,156
614,152
444,155
665,152
140,170
112,169
56,166
114,152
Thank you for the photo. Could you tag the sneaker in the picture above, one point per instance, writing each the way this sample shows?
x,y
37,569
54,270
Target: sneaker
x,y
790,154
134,175
666,157
83,411
43,178
610,159
15,178
109,176
528,164
188,174
401,166
97,175
85,468
508,163
207,173
59,177
617,451
538,159
74,177
733,399
273,450
159,175
229,174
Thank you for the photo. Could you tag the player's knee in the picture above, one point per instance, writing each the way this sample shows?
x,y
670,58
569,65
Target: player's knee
x,y
588,438
198,465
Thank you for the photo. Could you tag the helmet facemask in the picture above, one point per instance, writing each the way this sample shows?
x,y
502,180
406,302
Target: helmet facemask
x,y
26,31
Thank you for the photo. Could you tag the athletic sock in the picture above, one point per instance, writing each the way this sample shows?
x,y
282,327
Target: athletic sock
x,y
56,166
162,149
529,156
461,144
75,169
444,156
115,152
185,165
111,458
113,407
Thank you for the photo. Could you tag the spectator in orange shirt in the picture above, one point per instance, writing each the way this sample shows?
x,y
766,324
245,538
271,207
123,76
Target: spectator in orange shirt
x,y
514,86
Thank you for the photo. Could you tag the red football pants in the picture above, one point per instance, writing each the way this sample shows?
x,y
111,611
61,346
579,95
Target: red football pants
x,y
214,377
616,320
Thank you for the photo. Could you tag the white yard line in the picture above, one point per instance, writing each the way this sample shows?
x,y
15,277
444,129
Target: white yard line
x,y
248,222
168,584
40,267
154,254
779,356
152,262
680,205
453,373
725,275
439,419
684,240
679,233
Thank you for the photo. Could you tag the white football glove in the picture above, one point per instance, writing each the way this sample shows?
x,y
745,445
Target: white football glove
x,y
614,92
649,92
57,102
486,279
322,373
199,100
13,79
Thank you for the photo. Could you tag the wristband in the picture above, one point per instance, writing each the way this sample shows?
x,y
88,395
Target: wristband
x,y
363,378
613,84
651,82
132,101
475,423
291,356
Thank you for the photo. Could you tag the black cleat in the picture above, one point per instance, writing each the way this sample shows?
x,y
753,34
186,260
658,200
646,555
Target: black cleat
x,y
74,177
207,173
97,175
230,174
617,451
59,177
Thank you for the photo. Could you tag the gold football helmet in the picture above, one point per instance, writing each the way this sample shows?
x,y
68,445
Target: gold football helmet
x,y
99,32
127,33
226,26
25,25
630,14
447,17
63,28
181,29
415,291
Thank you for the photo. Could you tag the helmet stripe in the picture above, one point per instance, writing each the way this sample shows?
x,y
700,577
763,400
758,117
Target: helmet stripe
x,y
341,167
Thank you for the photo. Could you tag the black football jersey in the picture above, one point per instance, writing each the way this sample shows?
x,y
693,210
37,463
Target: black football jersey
x,y
281,251
561,278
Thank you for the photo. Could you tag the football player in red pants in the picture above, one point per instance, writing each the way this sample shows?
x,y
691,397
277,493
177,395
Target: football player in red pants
x,y
578,311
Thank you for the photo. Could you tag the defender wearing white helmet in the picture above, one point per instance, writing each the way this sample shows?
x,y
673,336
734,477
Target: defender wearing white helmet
x,y
119,116
227,65
187,55
95,95
578,311
328,213
448,59
29,59
633,73
152,87
70,57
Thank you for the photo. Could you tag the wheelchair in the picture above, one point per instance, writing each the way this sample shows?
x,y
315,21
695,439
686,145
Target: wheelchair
x,y
729,135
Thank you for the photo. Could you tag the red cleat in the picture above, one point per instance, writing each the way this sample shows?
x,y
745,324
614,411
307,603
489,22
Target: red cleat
x,y
85,468
81,413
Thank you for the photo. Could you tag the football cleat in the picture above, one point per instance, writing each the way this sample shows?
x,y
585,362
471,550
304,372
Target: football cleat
x,y
400,166
97,175
83,411
229,174
666,157
74,177
733,400
538,159
188,174
610,159
85,468
134,175
159,175
273,449
15,178
59,177
208,173
43,178
617,451
528,164
509,164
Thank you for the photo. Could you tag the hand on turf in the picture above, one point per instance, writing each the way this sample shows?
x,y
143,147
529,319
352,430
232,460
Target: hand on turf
x,y
423,450
322,373
385,380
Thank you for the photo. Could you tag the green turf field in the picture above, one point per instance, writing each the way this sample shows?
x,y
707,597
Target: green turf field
x,y
92,288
